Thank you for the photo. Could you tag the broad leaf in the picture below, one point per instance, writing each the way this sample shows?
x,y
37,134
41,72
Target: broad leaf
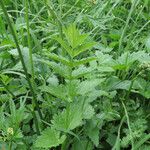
x,y
80,72
73,36
92,131
49,138
88,86
55,90
88,111
68,119
60,69
83,144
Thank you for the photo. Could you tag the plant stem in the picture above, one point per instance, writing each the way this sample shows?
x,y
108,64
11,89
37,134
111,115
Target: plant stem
x,y
117,143
34,101
10,145
31,58
36,122
71,98
29,42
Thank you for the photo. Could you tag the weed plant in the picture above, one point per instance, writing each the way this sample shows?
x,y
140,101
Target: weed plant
x,y
74,75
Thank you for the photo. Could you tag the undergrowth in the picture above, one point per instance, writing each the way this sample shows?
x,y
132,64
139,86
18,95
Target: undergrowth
x,y
74,75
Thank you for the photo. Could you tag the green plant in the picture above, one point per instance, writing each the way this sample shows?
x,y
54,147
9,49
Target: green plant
x,y
74,75
70,90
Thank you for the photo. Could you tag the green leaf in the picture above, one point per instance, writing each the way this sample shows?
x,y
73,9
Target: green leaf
x,y
25,53
64,45
55,90
95,94
83,48
53,80
68,119
2,26
142,86
80,72
105,69
93,131
147,43
59,59
87,86
6,44
88,112
104,59
49,138
83,61
17,115
141,56
4,98
15,72
124,85
5,79
142,140
83,144
60,69
73,36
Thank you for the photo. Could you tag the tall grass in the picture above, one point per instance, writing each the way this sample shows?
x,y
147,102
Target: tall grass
x,y
34,102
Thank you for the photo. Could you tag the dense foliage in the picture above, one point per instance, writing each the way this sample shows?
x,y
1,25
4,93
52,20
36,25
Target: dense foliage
x,y
74,74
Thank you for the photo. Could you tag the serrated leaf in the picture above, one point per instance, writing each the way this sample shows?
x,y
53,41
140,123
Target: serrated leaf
x,y
65,46
88,112
83,48
105,69
58,91
124,85
68,119
142,87
141,56
95,94
115,83
83,144
5,79
87,86
104,59
80,72
111,139
53,80
142,140
83,61
93,131
59,59
73,36
60,69
26,57
49,138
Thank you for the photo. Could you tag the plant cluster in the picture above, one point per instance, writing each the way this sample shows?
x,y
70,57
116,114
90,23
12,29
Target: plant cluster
x,y
74,75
